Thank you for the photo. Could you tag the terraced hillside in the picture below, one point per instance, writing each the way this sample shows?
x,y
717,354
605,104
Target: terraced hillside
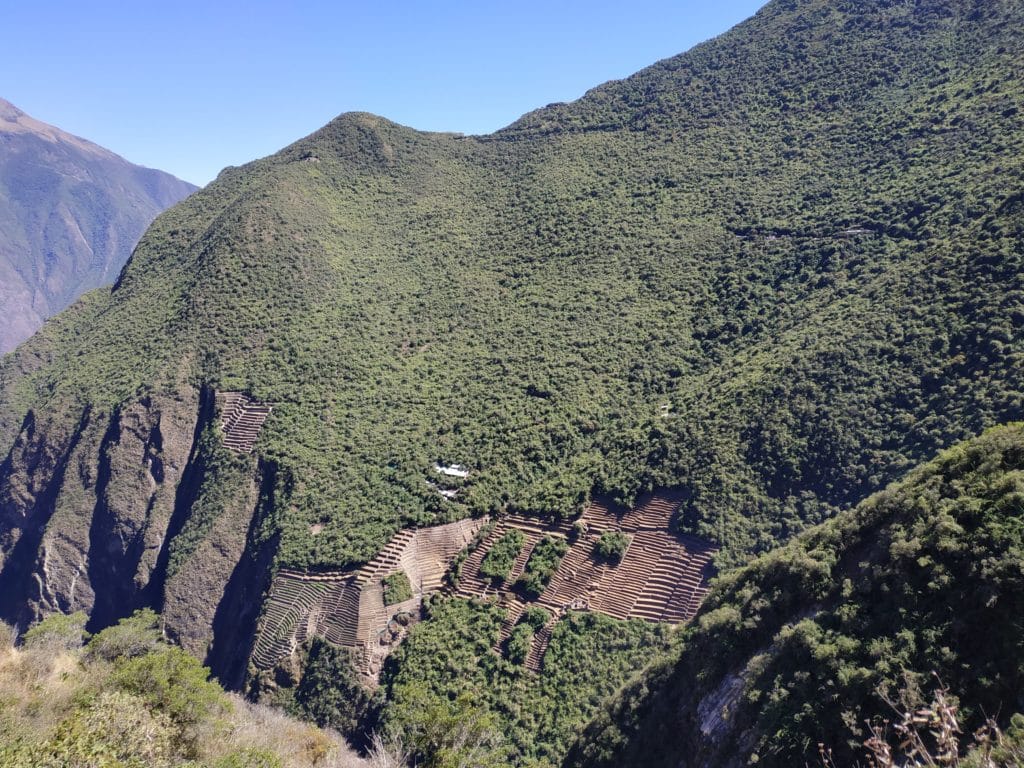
x,y
920,585
241,420
661,577
347,607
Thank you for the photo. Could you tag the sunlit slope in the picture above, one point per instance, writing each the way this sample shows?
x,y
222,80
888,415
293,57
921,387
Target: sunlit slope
x,y
776,271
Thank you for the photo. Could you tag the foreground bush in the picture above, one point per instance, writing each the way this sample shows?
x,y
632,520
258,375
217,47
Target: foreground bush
x,y
130,700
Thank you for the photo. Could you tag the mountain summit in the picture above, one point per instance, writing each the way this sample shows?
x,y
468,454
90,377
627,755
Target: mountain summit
x,y
70,214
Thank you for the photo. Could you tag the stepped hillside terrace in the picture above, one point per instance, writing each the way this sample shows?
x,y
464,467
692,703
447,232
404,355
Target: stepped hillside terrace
x,y
661,577
241,420
347,607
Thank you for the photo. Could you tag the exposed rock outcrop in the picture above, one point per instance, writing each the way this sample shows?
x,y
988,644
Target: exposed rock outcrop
x,y
113,513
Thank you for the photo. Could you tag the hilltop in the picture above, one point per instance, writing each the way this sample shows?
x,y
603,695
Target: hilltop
x,y
70,214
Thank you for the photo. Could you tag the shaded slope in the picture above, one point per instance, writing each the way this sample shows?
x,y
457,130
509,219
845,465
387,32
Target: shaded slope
x,y
788,652
70,214
774,275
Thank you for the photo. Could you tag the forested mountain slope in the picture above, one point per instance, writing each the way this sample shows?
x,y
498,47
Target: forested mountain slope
x,y
798,648
70,214
775,271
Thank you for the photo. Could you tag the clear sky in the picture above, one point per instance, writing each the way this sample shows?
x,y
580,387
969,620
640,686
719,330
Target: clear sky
x,y
192,86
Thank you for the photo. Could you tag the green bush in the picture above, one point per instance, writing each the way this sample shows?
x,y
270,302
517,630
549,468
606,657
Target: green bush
x,y
115,729
175,684
612,546
133,636
58,631
497,563
535,616
451,733
519,643
543,563
397,588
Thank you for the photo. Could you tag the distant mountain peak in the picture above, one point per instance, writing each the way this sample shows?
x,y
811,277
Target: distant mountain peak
x,y
9,112
15,120
70,214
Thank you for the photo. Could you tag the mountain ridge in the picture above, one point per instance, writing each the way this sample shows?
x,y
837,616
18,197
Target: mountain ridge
x,y
14,120
807,644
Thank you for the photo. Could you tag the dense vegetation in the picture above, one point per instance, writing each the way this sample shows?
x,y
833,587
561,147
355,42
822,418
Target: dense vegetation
x,y
533,717
799,648
776,270
397,588
128,700
612,545
497,563
517,647
544,561
330,695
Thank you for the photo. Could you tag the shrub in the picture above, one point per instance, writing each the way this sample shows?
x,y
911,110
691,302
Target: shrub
x,y
133,636
535,616
578,529
117,727
612,546
519,643
174,683
497,563
397,588
58,632
450,733
930,734
543,563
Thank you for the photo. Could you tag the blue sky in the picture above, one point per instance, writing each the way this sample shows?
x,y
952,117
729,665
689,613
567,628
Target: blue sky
x,y
190,87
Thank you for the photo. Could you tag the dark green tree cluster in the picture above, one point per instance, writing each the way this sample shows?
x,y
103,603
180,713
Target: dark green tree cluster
x,y
450,654
612,545
517,648
497,563
397,588
544,561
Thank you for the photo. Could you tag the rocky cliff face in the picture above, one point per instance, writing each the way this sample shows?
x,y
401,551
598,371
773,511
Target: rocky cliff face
x,y
70,214
87,516
135,507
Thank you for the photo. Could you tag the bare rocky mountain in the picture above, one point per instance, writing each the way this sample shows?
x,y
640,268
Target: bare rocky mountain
x,y
70,214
